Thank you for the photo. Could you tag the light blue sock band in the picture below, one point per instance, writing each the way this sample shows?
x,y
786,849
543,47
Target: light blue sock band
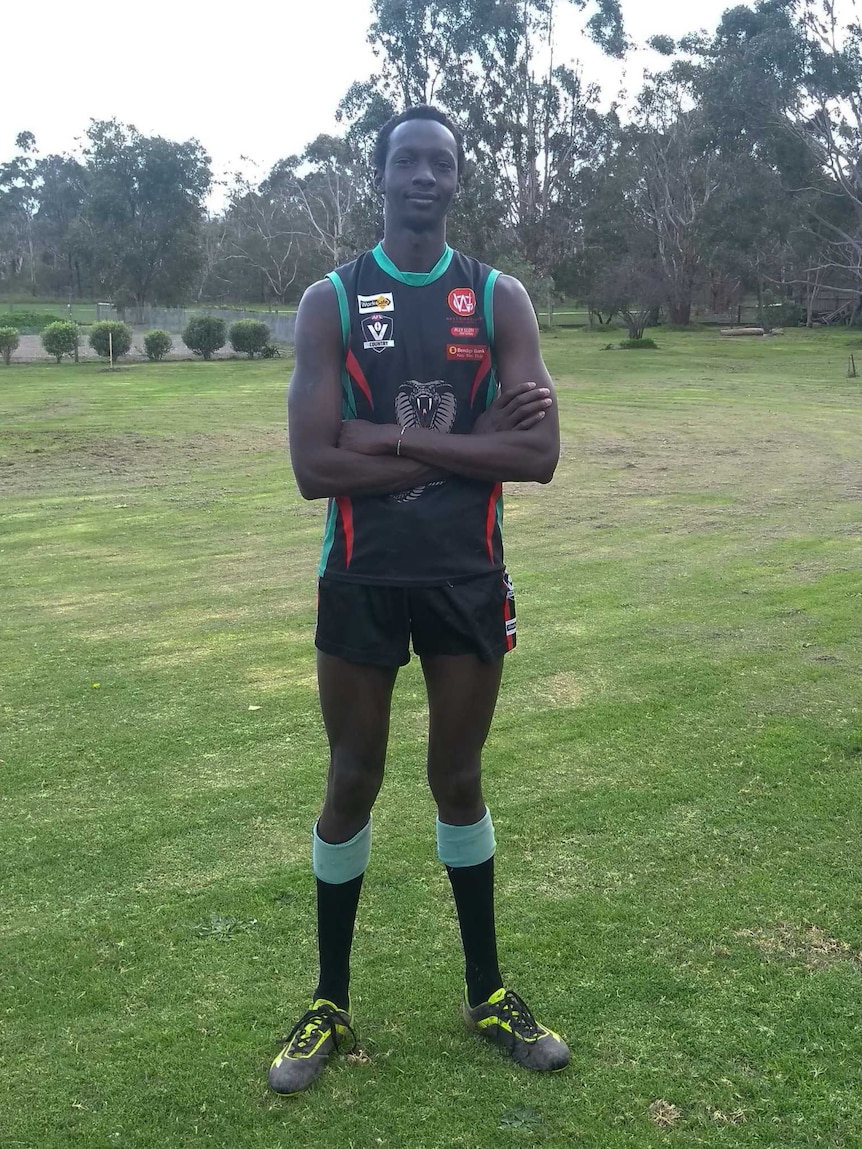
x,y
466,845
340,862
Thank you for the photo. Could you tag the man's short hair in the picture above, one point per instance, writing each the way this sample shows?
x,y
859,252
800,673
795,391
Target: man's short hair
x,y
416,112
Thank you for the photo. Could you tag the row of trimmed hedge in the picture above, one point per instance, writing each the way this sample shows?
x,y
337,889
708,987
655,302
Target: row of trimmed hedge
x,y
204,335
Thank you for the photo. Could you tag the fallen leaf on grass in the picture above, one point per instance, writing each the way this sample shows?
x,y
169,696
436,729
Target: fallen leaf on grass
x,y
254,708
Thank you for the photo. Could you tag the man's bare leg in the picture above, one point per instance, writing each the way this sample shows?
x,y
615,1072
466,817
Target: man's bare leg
x,y
462,695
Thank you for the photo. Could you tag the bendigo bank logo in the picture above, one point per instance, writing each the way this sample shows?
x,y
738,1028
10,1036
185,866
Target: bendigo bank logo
x,y
462,300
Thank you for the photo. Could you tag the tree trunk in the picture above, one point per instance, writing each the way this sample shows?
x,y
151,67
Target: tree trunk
x,y
679,314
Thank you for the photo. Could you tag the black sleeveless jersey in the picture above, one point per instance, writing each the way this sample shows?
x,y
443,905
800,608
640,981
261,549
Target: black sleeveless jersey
x,y
418,352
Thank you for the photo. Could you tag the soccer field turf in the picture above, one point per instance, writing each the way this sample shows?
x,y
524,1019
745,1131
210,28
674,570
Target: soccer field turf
x,y
674,770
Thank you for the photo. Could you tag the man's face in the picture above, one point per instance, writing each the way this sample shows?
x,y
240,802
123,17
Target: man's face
x,y
421,174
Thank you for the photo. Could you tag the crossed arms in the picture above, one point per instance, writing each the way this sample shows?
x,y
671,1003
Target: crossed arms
x,y
517,438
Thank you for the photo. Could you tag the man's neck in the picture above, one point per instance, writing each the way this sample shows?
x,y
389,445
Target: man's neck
x,y
416,251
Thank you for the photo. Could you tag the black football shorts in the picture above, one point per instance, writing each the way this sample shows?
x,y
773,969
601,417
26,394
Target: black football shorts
x,y
373,625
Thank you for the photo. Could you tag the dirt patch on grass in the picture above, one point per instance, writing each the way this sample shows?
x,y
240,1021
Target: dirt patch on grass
x,y
815,948
36,461
664,1113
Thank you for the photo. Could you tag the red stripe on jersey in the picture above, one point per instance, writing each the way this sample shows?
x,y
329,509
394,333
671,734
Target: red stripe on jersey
x,y
345,509
358,376
484,368
491,520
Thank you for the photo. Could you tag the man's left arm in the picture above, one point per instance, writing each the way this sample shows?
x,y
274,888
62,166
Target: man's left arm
x,y
518,455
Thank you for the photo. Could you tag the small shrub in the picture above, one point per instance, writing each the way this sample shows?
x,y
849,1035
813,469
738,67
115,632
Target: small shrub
x,y
157,344
204,334
61,339
30,322
784,314
249,336
8,343
270,351
638,345
120,341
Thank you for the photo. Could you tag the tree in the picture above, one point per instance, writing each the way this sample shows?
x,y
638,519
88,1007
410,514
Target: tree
x,y
673,174
634,287
781,83
18,203
111,339
325,194
204,335
142,214
531,126
61,338
157,344
8,343
248,336
61,191
262,236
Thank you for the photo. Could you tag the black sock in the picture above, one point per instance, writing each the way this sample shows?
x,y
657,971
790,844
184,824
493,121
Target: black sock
x,y
473,887
336,915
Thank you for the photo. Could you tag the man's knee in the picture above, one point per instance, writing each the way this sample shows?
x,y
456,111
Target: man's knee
x,y
456,787
353,783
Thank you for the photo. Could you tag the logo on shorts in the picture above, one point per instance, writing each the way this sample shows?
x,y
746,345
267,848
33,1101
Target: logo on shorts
x,y
462,300
378,331
369,303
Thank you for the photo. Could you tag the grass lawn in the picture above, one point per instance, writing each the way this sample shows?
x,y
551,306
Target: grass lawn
x,y
675,770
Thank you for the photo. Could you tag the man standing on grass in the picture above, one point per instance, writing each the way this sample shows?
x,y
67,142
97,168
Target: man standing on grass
x,y
419,390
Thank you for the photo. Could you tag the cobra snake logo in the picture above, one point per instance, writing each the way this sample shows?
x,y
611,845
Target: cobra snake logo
x,y
430,405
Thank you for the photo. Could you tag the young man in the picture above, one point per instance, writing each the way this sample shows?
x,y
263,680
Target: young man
x,y
419,389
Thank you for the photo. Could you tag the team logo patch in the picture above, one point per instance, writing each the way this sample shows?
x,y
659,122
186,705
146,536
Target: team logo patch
x,y
462,300
431,405
378,331
464,332
369,303
465,352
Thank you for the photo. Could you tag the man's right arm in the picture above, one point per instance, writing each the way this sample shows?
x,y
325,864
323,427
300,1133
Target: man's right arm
x,y
322,468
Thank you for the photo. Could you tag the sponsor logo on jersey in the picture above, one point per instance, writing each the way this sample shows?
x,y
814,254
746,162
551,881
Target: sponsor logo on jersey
x,y
369,303
465,352
464,332
511,627
378,331
462,300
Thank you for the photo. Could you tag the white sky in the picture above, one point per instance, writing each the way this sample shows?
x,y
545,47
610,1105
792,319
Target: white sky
x,y
257,82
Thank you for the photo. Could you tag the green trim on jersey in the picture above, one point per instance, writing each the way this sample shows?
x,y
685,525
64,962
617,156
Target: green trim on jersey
x,y
348,403
348,399
488,312
328,537
413,278
488,303
343,309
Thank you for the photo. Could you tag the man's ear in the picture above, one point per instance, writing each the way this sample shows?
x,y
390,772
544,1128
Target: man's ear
x,y
378,181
